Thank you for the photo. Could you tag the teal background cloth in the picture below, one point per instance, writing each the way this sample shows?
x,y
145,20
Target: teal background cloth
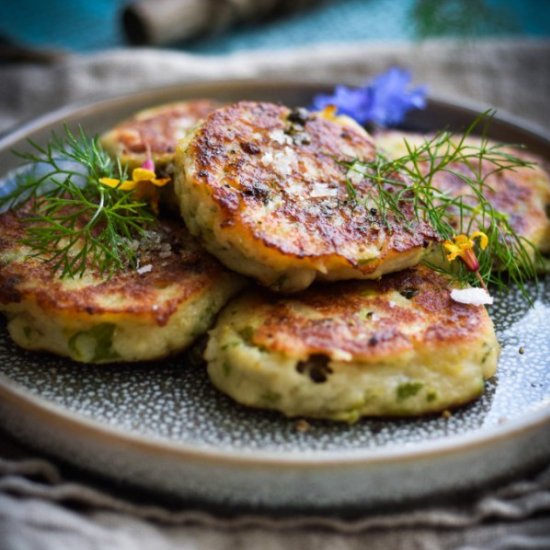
x,y
91,25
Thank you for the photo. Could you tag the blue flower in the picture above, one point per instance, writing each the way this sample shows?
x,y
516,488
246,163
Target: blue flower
x,y
384,101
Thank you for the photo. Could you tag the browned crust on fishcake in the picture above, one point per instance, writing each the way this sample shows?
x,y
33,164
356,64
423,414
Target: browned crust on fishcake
x,y
226,156
523,193
156,130
181,271
335,318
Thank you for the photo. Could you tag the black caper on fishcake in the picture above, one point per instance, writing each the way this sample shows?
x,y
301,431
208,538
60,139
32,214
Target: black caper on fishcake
x,y
266,190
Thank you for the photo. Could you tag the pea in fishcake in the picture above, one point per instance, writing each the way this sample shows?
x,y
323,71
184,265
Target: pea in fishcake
x,y
136,315
266,190
395,347
523,193
155,132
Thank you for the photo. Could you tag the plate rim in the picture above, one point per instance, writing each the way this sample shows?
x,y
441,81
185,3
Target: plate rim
x,y
16,132
440,447
482,437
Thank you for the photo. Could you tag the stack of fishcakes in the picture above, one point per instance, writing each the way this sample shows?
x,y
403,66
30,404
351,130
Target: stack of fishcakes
x,y
265,190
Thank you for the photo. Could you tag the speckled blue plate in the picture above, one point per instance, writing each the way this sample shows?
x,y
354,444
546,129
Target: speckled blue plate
x,y
165,428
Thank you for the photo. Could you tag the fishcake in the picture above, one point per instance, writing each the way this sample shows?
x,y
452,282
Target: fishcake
x,y
523,193
267,190
154,133
136,315
395,347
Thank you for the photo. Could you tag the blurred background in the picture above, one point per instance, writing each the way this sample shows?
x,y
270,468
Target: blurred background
x,y
57,52
227,26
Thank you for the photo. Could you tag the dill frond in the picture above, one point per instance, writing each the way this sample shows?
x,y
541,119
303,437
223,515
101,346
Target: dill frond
x,y
509,257
72,221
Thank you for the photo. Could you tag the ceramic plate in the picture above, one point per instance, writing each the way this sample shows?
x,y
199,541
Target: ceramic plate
x,y
163,427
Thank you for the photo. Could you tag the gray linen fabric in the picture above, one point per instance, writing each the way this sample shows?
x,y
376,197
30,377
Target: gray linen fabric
x,y
41,509
47,513
513,76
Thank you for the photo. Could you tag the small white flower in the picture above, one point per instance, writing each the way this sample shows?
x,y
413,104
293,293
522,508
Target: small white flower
x,y
145,269
473,296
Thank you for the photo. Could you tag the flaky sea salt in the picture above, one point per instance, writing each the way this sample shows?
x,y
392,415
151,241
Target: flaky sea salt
x,y
280,137
320,190
355,177
267,159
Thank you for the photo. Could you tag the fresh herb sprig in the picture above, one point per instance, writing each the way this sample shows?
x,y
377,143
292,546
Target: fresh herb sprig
x,y
72,221
410,178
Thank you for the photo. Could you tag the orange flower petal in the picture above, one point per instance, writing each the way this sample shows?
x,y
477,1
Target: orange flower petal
x,y
452,249
483,239
160,182
461,240
329,112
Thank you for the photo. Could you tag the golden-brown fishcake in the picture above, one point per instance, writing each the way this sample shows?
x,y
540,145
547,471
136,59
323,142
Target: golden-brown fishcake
x,y
523,193
395,347
136,315
155,132
266,190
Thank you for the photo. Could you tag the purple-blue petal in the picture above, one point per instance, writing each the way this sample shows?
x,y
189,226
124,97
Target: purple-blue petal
x,y
385,100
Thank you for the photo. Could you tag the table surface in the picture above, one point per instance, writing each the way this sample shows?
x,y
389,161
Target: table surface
x,y
85,26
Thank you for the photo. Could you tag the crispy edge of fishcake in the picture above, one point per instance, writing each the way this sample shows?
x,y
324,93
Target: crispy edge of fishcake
x,y
311,354
134,316
233,218
138,138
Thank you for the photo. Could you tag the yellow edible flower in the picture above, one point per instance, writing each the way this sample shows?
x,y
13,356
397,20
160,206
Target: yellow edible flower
x,y
329,112
139,175
462,247
143,185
